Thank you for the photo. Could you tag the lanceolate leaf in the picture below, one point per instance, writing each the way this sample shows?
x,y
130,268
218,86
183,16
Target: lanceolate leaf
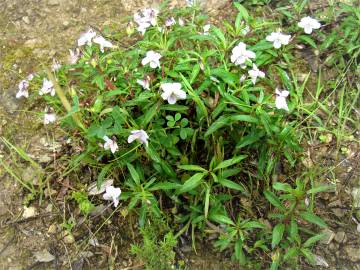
x,y
271,197
229,162
310,217
278,232
192,182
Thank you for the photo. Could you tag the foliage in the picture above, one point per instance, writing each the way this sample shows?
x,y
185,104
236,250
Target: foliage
x,y
213,151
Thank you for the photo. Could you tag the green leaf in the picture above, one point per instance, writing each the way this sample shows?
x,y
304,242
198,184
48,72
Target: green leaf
x,y
207,202
239,253
277,234
242,10
312,218
221,219
192,168
321,189
150,114
134,174
308,255
164,186
312,240
228,120
192,182
102,174
291,252
230,162
282,186
231,184
253,225
271,197
307,40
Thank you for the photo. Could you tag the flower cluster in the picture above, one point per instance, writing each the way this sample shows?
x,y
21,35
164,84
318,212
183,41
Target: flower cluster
x,y
146,18
23,87
91,36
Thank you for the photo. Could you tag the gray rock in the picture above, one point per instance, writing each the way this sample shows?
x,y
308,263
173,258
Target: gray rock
x,y
353,253
26,19
340,237
356,197
53,2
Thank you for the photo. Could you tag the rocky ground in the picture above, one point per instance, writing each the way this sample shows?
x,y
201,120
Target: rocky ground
x,y
34,32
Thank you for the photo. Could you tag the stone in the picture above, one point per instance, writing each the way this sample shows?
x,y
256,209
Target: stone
x,y
52,229
340,237
53,2
26,19
29,212
356,197
329,236
69,239
44,256
339,212
353,253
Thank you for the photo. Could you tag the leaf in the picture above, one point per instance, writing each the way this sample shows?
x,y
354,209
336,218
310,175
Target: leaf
x,y
321,189
253,225
192,168
164,186
207,202
192,182
307,40
134,174
312,240
282,186
229,119
149,114
292,252
308,255
242,10
221,219
231,184
229,162
277,234
239,253
312,218
102,175
271,197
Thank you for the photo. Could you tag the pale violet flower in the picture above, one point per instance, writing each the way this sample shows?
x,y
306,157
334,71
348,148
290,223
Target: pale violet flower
x,y
74,56
138,135
243,78
278,39
86,38
245,30
47,88
112,194
172,92
145,19
190,3
181,22
309,24
144,83
23,89
170,21
56,65
49,118
254,73
30,77
103,43
280,100
206,29
152,58
240,55
110,144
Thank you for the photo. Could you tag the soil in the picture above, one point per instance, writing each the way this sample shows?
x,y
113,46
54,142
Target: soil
x,y
34,32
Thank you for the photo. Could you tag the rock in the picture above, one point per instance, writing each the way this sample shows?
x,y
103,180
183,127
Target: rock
x,y
339,212
340,237
52,229
29,212
356,197
44,256
68,238
26,19
329,236
358,228
53,2
31,43
353,253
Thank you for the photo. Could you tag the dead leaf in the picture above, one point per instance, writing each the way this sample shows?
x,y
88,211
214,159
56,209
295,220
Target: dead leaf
x,y
44,256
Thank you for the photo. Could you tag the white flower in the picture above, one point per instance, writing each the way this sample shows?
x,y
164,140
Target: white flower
x,y
112,194
170,21
47,88
206,29
240,55
151,58
74,56
190,3
255,72
56,65
172,92
280,100
103,43
30,77
181,22
139,135
23,92
144,83
160,29
242,78
110,144
278,39
49,118
245,30
309,24
145,19
86,38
